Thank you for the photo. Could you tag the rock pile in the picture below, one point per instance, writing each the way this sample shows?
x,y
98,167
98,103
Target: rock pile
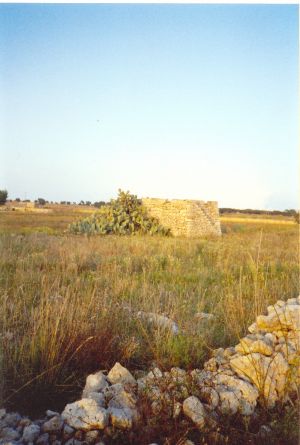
x,y
262,369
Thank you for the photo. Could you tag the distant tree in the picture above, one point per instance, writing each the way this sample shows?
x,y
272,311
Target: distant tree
x,y
81,203
3,197
26,200
62,202
99,204
18,200
41,201
88,203
291,212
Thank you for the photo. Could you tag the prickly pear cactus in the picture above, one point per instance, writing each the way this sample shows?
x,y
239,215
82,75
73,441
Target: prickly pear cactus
x,y
122,216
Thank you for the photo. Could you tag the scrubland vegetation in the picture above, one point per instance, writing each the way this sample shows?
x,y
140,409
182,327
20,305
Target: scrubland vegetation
x,y
65,300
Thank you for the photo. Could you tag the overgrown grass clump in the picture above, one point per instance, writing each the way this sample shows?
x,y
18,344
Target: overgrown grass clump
x,y
122,216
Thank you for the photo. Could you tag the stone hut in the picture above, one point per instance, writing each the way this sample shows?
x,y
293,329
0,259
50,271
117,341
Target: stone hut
x,y
186,217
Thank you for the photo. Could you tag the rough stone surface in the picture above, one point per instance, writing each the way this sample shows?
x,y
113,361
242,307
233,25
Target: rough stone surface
x,y
121,418
159,321
119,374
43,439
193,408
94,383
85,414
31,433
53,425
8,434
186,217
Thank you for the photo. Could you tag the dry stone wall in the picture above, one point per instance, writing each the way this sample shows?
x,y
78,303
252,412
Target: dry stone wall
x,y
186,217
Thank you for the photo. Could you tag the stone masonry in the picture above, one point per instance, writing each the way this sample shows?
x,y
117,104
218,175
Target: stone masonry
x,y
186,217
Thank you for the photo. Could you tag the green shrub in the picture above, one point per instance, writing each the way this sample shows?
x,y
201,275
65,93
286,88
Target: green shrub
x,y
3,197
122,216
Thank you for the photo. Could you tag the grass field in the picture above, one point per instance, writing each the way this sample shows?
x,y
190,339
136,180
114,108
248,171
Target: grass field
x,y
64,299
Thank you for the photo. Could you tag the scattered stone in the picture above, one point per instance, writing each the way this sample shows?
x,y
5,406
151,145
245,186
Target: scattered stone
x,y
68,432
204,316
73,442
97,396
154,374
159,321
193,408
210,396
54,425
12,419
268,374
85,414
91,436
78,435
117,397
8,434
24,422
248,345
43,439
94,383
121,418
50,413
31,433
119,374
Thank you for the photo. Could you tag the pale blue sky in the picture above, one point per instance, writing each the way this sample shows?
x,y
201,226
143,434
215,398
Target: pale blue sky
x,y
193,101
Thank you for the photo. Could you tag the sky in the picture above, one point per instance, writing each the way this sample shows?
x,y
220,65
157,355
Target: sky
x,y
169,101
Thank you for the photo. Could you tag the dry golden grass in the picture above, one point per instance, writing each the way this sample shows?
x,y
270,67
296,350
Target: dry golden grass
x,y
246,220
63,304
63,298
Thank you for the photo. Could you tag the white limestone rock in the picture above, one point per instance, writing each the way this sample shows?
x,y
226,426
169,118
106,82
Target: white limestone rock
x,y
97,396
204,316
154,374
117,397
248,393
248,345
8,434
50,413
286,317
53,425
85,414
229,401
210,396
94,383
178,375
31,433
119,374
194,409
159,321
268,374
121,418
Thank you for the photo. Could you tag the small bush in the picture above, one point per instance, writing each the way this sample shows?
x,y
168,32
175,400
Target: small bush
x,y
122,216
3,197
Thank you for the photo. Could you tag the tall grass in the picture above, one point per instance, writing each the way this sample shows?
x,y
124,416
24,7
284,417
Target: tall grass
x,y
64,303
